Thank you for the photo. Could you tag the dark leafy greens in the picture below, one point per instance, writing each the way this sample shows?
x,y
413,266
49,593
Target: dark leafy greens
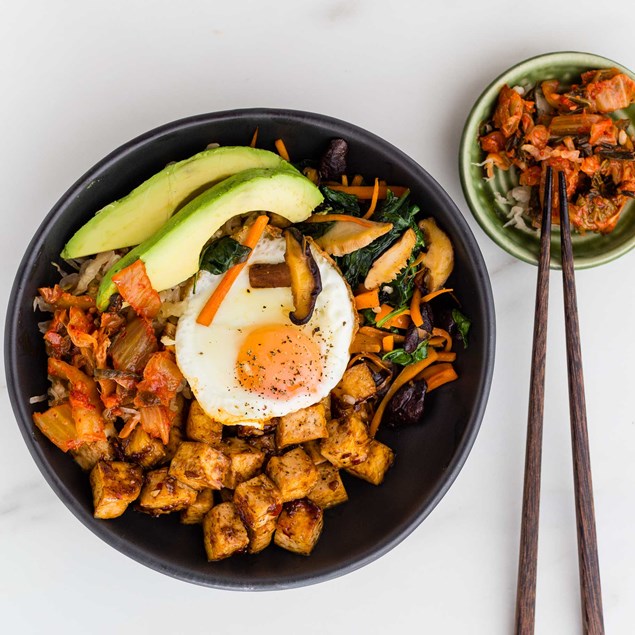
x,y
222,254
462,324
400,357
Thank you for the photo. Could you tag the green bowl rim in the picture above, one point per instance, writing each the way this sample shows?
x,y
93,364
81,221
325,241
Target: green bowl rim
x,y
469,193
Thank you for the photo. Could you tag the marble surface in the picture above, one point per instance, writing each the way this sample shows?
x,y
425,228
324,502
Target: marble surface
x,y
80,80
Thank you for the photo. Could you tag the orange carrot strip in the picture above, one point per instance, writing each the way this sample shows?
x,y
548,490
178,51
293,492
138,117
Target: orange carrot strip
x,y
401,321
282,149
329,218
415,308
388,343
373,357
436,341
254,139
445,335
373,200
357,180
434,294
408,373
446,357
366,191
215,300
344,180
438,375
367,300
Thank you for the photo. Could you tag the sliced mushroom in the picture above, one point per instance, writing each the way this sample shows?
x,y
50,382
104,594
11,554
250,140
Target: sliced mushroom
x,y
306,282
439,259
346,237
392,261
269,276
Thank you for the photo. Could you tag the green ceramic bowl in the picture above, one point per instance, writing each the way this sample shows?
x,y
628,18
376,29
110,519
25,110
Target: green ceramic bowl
x,y
589,250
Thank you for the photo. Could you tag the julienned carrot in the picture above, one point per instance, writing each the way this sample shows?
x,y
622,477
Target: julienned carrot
x,y
344,180
367,300
282,149
400,319
254,139
445,335
415,308
408,373
442,356
357,180
366,191
438,375
434,294
212,305
373,200
388,343
330,218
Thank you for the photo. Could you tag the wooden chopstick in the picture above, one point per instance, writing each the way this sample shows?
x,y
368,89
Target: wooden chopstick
x,y
527,561
590,588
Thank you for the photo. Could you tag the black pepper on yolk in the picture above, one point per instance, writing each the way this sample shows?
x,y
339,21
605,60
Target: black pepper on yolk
x,y
279,362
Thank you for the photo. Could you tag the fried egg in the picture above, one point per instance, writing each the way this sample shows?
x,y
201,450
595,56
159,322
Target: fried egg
x,y
252,363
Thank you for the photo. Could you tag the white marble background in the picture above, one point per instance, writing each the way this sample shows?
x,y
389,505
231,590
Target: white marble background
x,y
79,79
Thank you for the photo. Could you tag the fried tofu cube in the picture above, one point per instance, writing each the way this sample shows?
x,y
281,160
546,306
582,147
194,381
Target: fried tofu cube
x,y
326,402
299,526
266,443
373,469
301,426
245,461
201,427
193,514
357,384
87,454
261,537
312,448
223,532
348,441
329,489
142,449
115,485
162,493
199,465
258,501
293,473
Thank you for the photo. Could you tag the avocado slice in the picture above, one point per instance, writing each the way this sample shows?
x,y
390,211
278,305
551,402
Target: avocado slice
x,y
171,255
137,216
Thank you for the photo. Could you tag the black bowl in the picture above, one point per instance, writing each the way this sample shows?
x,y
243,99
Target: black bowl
x,y
428,456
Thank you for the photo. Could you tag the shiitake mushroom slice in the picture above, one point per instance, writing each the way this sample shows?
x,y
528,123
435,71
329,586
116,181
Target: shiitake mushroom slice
x,y
306,283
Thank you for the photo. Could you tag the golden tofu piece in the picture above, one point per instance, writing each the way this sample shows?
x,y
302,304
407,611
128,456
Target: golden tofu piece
x,y
162,493
329,489
312,448
176,430
293,473
373,469
199,465
115,485
245,461
357,384
301,426
223,532
326,402
299,526
348,441
87,454
260,538
142,449
201,427
258,501
193,514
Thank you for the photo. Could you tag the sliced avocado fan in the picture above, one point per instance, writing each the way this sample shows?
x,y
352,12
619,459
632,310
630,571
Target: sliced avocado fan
x,y
137,216
171,255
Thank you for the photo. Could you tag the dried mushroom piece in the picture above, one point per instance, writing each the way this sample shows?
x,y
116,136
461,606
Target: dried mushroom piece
x,y
345,237
387,267
333,161
439,259
306,283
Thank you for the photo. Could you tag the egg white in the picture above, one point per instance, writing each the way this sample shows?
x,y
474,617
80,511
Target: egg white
x,y
207,355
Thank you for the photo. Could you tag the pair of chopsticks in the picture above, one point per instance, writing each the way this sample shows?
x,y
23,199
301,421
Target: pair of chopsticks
x,y
590,590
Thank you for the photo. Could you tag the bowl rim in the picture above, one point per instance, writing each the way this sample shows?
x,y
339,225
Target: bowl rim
x,y
136,552
496,233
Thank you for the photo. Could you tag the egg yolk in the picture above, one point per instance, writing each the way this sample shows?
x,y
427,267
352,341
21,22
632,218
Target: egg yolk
x,y
280,362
